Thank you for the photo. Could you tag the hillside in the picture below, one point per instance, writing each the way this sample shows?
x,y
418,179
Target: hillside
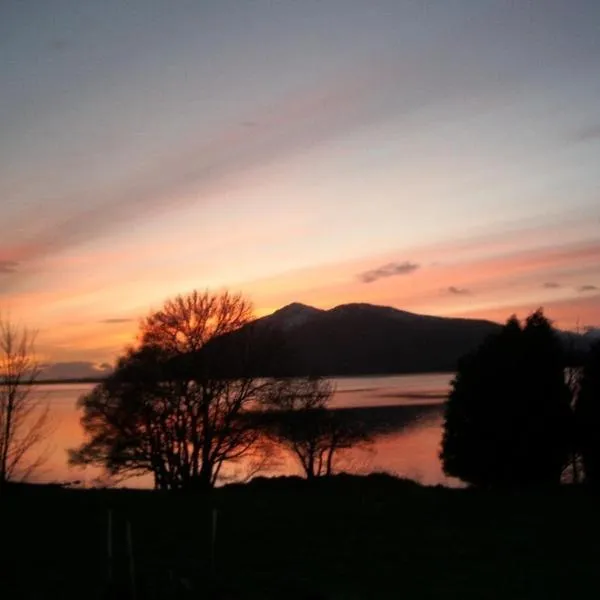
x,y
361,339
354,339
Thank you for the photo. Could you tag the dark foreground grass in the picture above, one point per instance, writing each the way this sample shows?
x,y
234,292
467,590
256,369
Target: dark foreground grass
x,y
350,537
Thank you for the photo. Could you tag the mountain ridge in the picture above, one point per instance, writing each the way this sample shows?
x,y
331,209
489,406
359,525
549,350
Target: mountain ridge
x,y
358,339
366,339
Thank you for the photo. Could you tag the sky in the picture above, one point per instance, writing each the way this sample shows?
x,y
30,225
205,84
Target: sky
x,y
436,156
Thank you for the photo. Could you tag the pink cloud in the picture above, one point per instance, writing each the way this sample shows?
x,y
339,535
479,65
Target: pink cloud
x,y
498,281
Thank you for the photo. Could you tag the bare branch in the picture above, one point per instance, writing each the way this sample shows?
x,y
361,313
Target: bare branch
x,y
303,424
176,405
24,416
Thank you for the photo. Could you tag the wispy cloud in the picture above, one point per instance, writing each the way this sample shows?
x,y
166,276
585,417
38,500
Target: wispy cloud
x,y
57,45
587,134
389,270
588,288
116,320
551,285
458,291
8,266
365,94
277,132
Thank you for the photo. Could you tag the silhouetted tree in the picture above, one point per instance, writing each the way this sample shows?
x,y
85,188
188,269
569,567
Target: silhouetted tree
x,y
176,404
508,418
305,425
24,417
587,412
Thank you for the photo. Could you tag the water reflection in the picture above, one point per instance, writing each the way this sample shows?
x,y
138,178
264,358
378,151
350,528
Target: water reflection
x,y
403,412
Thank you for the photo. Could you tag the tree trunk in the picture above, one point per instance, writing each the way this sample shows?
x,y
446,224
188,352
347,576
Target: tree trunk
x,y
309,466
205,477
7,433
329,468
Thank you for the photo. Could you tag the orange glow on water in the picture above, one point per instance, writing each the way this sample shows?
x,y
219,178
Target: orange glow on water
x,y
410,451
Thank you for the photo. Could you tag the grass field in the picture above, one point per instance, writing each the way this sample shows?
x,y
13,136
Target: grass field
x,y
349,537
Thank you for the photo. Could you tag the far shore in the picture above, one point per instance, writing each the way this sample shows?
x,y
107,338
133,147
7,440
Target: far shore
x,y
95,380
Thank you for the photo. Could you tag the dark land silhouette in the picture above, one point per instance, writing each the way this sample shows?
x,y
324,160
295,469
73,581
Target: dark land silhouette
x,y
521,421
363,339
338,537
197,392
509,416
366,339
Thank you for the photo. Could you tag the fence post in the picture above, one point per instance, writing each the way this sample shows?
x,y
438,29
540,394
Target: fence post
x,y
131,561
213,542
109,548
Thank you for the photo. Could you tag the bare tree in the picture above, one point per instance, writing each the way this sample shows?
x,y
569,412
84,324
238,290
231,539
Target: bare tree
x,y
24,418
187,323
302,422
177,404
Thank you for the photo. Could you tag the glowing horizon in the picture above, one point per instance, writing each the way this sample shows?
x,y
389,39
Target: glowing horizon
x,y
440,159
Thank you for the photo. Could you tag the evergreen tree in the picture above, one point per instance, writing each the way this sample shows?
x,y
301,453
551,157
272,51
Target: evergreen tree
x,y
508,419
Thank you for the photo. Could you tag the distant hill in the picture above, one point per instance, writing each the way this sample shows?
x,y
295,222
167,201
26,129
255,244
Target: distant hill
x,y
356,339
73,372
361,339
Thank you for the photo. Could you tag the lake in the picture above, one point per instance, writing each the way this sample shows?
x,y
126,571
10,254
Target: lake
x,y
413,405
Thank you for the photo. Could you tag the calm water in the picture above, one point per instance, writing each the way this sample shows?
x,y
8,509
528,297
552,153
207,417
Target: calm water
x,y
409,448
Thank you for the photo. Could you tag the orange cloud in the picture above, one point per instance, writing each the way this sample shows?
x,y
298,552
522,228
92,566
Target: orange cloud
x,y
506,274
496,282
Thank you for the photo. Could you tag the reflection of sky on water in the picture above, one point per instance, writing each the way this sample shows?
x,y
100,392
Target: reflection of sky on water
x,y
391,390
403,411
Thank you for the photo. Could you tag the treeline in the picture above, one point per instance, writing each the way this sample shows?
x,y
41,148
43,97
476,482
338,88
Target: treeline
x,y
521,414
185,403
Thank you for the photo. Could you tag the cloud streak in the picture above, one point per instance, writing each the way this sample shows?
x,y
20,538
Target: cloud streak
x,y
458,291
365,95
587,288
279,131
588,134
551,285
389,270
8,266
116,320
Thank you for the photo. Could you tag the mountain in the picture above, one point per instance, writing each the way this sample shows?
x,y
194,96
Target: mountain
x,y
358,339
361,339
73,370
291,316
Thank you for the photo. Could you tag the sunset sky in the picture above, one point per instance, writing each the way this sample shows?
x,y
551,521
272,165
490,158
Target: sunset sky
x,y
441,157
